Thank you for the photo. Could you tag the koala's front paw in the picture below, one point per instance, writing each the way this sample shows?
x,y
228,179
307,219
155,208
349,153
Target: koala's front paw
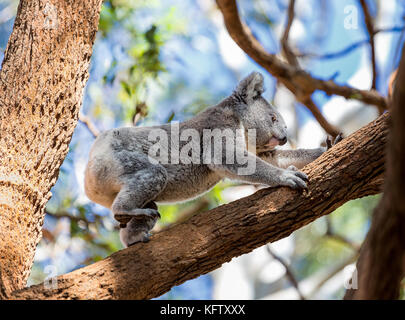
x,y
293,178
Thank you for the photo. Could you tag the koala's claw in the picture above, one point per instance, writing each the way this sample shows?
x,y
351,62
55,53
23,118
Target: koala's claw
x,y
146,237
330,144
294,179
136,231
302,175
297,184
298,173
338,138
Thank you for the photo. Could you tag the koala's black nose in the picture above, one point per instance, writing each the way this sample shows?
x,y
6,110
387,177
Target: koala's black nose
x,y
283,141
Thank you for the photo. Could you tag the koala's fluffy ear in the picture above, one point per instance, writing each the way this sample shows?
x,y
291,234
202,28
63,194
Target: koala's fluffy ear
x,y
250,87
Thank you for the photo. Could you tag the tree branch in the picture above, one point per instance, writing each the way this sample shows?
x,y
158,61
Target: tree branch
x,y
334,271
325,124
347,49
351,169
288,53
368,19
340,238
292,60
288,272
296,80
89,125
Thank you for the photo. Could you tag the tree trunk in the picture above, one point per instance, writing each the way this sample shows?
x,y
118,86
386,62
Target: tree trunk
x,y
381,265
43,75
351,169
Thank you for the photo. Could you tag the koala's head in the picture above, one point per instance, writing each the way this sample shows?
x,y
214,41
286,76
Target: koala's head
x,y
256,113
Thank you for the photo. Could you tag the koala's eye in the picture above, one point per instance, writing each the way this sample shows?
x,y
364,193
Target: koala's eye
x,y
273,118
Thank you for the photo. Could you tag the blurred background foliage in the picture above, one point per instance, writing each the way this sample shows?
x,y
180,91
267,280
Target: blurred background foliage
x,y
160,61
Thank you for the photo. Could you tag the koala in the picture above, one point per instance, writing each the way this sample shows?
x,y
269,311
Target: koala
x,y
126,174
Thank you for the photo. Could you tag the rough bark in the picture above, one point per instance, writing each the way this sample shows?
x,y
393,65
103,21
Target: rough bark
x,y
44,71
381,265
351,169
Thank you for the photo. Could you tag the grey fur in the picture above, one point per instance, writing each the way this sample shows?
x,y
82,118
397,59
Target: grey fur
x,y
120,176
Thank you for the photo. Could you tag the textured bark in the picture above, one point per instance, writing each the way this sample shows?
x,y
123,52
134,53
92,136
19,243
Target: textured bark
x,y
351,169
44,71
381,265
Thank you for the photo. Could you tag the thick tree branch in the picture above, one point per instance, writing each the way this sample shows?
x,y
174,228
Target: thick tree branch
x,y
296,80
351,169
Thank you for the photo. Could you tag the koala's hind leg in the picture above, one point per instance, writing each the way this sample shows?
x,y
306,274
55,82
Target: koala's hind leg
x,y
141,183
137,229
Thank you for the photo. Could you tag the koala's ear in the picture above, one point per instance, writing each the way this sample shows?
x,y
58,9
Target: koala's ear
x,y
250,87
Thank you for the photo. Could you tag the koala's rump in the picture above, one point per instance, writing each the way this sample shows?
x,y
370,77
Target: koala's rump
x,y
100,183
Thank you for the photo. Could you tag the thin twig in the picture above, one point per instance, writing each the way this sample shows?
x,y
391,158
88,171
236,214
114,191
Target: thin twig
x,y
288,53
369,21
292,60
349,48
289,273
333,235
328,127
46,234
333,55
351,259
89,125
61,215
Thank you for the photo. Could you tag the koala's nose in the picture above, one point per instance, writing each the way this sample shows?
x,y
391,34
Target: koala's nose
x,y
283,141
